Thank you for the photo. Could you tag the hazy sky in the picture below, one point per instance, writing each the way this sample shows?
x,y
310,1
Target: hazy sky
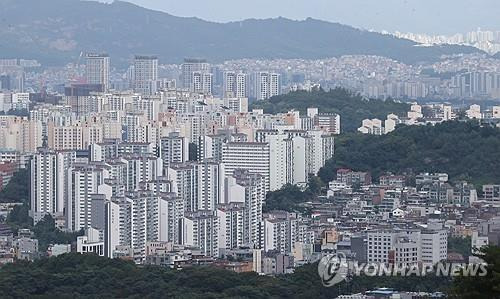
x,y
426,16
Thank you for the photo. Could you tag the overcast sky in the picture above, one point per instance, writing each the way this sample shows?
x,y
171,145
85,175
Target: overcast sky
x,y
419,16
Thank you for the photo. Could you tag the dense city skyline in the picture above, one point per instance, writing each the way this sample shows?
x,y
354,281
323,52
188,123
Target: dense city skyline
x,y
146,154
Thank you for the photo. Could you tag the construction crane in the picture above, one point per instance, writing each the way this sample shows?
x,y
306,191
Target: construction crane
x,y
74,77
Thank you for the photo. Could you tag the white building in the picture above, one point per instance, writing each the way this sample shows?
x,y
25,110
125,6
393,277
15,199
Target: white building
x,y
394,246
248,189
83,180
328,122
434,243
235,85
174,148
90,243
267,85
280,161
202,82
48,181
238,104
280,232
231,225
141,168
201,229
251,156
474,112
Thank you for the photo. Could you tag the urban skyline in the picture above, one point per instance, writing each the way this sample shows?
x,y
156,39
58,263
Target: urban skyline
x,y
143,154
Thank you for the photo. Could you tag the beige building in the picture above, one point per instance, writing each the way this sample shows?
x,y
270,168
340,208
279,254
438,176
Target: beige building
x,y
20,134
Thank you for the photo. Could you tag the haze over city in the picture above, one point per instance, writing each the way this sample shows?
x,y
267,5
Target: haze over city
x,y
418,16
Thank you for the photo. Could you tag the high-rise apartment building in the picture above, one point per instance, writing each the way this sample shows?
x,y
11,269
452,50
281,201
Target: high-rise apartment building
x,y
251,156
200,185
202,82
250,190
201,229
83,180
145,74
280,231
231,225
97,69
235,85
174,148
48,169
189,67
267,85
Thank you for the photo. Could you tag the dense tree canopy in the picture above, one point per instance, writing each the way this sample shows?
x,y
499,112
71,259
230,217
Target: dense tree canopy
x,y
47,233
351,107
464,150
45,230
19,217
460,245
73,275
289,198
18,189
472,287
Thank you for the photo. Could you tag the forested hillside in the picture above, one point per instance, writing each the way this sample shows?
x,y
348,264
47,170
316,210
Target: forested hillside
x,y
464,150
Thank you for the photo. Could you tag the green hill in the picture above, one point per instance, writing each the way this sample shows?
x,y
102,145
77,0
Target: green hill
x,y
463,150
56,31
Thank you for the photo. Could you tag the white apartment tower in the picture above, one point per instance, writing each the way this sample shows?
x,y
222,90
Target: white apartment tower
x,y
171,211
210,185
174,148
200,185
201,229
47,183
281,161
248,189
141,168
251,156
267,85
280,231
184,177
202,82
83,181
231,225
235,85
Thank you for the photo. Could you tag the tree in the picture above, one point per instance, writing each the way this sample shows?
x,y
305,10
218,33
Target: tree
x,y
19,217
18,188
472,287
464,150
47,233
460,245
289,198
93,276
315,185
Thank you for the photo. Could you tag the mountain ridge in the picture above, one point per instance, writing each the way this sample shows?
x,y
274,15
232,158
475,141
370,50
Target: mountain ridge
x,y
56,31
